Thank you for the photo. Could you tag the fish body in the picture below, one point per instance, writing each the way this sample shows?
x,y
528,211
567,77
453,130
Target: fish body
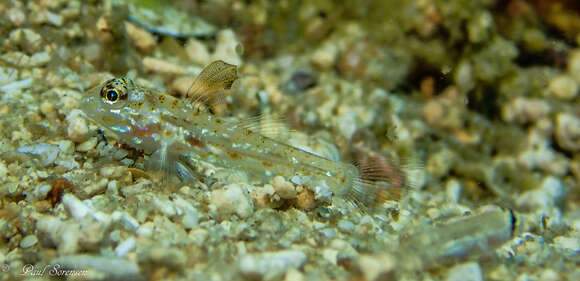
x,y
177,134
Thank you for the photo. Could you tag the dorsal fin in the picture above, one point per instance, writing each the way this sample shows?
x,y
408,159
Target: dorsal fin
x,y
269,125
216,77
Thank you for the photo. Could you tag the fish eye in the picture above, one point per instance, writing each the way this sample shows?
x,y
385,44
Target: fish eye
x,y
112,96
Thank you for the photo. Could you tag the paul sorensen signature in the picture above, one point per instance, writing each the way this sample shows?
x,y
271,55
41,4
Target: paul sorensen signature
x,y
51,270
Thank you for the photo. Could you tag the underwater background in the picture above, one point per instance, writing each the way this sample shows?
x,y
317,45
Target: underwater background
x,y
473,106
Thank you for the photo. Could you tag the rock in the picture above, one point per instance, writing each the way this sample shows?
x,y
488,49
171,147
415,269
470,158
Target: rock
x,y
143,40
563,87
227,48
567,131
125,247
439,163
550,191
75,207
299,81
574,64
453,191
163,67
374,267
283,188
64,235
87,145
271,265
523,110
47,152
470,271
346,226
77,129
197,52
28,241
325,56
232,199
571,244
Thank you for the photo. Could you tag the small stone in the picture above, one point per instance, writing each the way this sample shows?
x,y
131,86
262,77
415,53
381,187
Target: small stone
x,y
270,265
53,18
305,200
549,275
439,163
197,52
294,275
300,80
372,267
227,48
232,199
433,111
163,67
125,247
563,87
75,207
113,172
550,191
143,40
346,226
571,244
283,188
465,272
453,191
567,132
47,153
325,56
28,241
574,64
77,129
524,110
87,145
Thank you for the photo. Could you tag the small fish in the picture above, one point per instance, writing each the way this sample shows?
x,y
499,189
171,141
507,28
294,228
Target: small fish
x,y
177,134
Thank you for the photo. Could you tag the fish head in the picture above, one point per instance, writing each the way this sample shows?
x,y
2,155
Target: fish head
x,y
122,107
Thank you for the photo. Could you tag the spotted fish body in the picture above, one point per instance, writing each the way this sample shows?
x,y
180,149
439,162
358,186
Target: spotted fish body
x,y
177,134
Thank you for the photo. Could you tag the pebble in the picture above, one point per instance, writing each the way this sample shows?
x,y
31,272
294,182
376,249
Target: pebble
x,y
232,199
270,265
524,110
113,172
563,87
143,40
574,64
227,48
125,247
346,226
75,207
197,52
453,191
47,152
28,241
64,235
163,67
374,266
567,131
550,191
87,145
571,244
283,188
439,163
77,129
470,271
325,56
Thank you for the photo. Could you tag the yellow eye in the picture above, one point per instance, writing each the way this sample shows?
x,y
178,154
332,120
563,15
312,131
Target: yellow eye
x,y
112,96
